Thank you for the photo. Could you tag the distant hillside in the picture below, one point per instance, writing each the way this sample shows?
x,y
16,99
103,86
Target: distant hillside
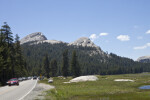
x,y
88,57
91,58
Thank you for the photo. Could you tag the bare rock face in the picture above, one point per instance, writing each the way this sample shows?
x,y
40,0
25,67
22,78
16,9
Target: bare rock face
x,y
83,41
50,41
86,42
38,36
144,59
83,79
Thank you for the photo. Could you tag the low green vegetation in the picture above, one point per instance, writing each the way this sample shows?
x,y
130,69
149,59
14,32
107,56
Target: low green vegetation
x,y
103,89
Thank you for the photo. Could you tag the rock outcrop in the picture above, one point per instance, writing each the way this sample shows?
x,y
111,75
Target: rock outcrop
x,y
38,36
86,42
144,59
83,41
83,79
50,41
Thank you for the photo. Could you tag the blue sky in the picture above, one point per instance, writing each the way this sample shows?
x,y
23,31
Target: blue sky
x,y
117,26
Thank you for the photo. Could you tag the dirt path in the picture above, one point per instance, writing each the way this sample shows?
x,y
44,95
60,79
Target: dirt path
x,y
38,92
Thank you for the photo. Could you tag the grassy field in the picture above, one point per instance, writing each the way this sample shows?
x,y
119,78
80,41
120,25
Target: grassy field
x,y
103,89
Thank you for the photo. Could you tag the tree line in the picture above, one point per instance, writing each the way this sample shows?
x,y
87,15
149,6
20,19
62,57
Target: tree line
x,y
12,63
89,64
50,68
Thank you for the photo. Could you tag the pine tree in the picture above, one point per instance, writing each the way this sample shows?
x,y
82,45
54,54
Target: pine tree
x,y
19,61
46,68
53,65
65,64
75,68
8,52
7,34
2,66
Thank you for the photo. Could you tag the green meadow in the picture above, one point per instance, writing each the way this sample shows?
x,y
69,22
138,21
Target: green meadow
x,y
103,89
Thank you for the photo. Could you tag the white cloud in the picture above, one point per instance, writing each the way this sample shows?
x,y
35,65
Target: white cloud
x,y
142,47
103,34
123,37
148,32
93,37
148,44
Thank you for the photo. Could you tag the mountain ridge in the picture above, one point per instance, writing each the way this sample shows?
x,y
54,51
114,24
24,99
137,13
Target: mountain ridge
x,y
39,38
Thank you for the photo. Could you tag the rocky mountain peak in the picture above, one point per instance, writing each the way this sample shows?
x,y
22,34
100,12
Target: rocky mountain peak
x,y
145,59
86,42
37,36
83,41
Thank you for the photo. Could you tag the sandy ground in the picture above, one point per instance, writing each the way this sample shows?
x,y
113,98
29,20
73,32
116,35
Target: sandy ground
x,y
38,92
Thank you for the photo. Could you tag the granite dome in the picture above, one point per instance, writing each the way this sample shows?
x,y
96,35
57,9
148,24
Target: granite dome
x,y
83,41
38,36
145,59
